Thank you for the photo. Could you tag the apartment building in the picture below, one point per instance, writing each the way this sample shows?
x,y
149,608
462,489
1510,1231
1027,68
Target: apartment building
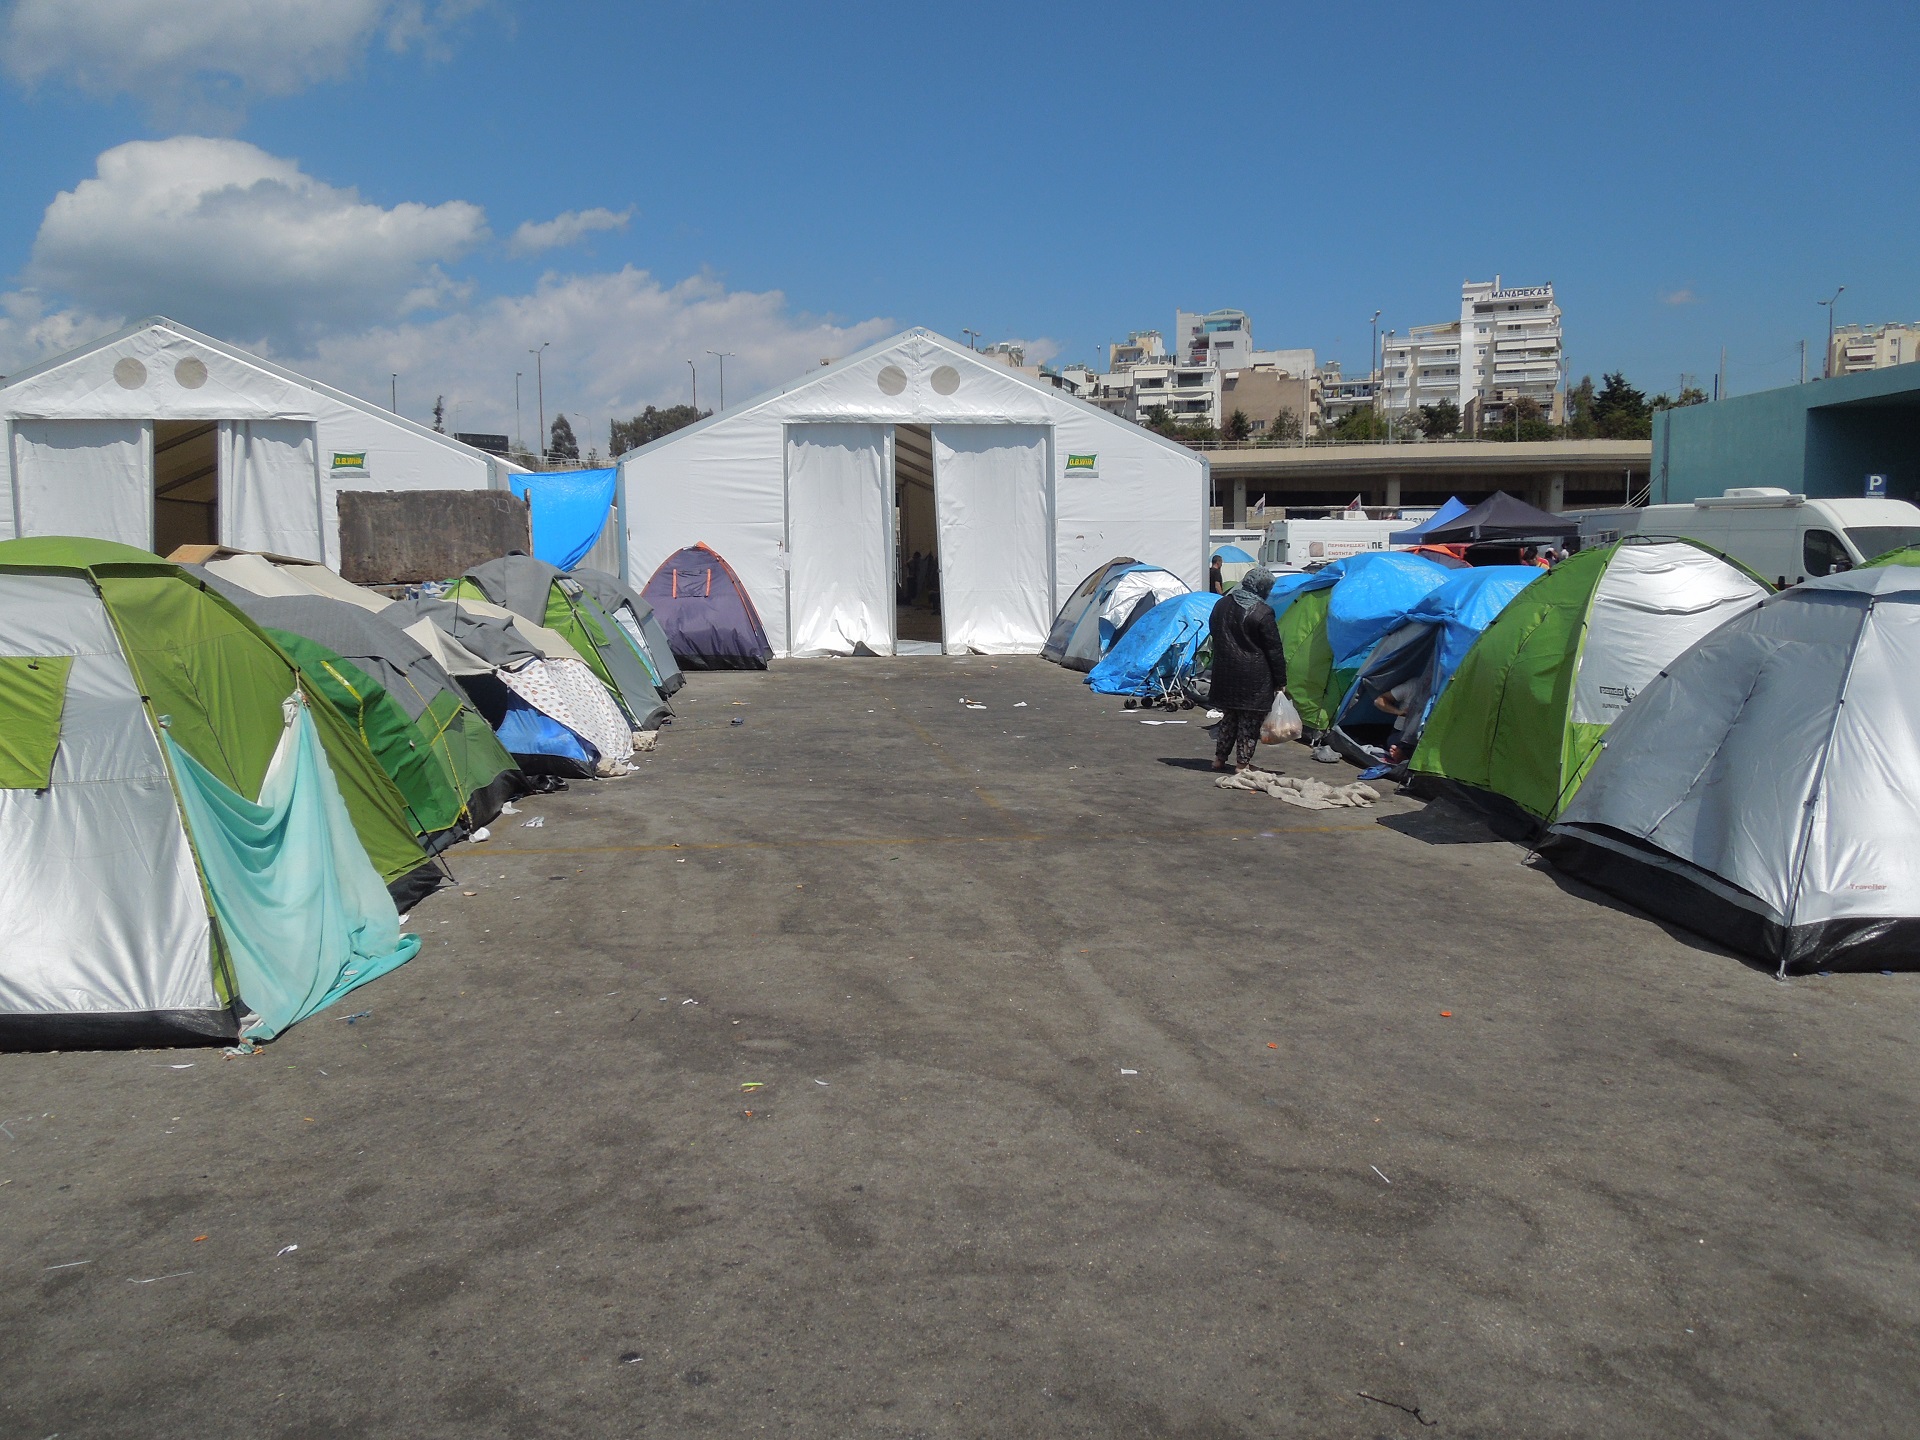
x,y
1339,394
1506,345
1141,345
1859,348
1223,338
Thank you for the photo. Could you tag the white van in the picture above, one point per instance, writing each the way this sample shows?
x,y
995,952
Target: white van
x,y
1309,544
1780,536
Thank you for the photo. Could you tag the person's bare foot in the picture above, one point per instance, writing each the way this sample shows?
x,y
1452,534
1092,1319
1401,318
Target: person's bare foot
x,y
1219,766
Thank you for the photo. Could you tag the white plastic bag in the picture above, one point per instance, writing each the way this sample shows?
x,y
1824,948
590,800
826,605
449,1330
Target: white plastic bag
x,y
1282,722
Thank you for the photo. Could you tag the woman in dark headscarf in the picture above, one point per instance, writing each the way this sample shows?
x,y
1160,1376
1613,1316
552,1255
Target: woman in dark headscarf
x,y
1248,666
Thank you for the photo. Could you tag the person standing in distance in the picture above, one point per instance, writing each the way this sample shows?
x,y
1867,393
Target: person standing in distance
x,y
1249,667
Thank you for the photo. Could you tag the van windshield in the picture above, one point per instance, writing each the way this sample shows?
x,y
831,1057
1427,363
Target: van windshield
x,y
1872,540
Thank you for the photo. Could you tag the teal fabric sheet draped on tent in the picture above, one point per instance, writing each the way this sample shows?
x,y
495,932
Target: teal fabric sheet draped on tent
x,y
302,909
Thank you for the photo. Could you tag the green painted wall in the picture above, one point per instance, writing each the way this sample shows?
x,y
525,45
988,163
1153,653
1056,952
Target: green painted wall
x,y
1819,439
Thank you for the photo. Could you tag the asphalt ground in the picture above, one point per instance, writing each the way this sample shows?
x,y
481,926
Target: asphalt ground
x,y
1091,1101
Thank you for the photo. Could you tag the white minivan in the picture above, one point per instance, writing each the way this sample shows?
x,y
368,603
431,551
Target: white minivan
x,y
1782,537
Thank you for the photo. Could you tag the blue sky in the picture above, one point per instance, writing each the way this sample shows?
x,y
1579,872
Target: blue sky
x,y
780,181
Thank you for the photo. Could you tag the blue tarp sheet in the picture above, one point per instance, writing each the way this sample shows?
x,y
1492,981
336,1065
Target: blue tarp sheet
x,y
1445,515
1465,606
1373,597
523,730
302,908
1161,644
569,512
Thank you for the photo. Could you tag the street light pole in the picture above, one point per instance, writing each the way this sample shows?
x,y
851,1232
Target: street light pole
x,y
972,335
1827,369
721,356
519,435
540,383
696,387
393,395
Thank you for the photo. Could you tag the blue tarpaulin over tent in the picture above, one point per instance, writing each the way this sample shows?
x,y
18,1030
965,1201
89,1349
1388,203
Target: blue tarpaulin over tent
x,y
1427,649
1158,648
1445,515
1465,606
1375,596
1233,555
569,512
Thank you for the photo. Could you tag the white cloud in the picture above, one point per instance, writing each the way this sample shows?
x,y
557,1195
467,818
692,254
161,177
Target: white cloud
x,y
566,228
224,236
1683,296
174,50
243,244
620,342
30,332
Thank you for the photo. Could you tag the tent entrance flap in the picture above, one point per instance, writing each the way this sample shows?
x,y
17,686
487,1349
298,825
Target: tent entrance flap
x,y
270,488
84,477
917,623
994,504
186,484
839,535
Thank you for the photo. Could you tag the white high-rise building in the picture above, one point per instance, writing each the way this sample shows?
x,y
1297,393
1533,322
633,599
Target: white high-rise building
x,y
1506,345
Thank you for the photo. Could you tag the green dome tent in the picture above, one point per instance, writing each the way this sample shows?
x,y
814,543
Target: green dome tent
x,y
629,610
450,768
1523,719
188,849
549,597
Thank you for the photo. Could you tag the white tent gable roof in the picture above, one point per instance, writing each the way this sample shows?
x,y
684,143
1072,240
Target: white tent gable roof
x,y
915,378
160,368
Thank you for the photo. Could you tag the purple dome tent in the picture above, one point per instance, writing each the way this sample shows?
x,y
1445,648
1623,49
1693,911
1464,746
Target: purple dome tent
x,y
707,614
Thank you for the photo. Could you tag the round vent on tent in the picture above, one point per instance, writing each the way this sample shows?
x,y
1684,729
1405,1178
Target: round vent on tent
x,y
129,373
946,380
891,380
191,373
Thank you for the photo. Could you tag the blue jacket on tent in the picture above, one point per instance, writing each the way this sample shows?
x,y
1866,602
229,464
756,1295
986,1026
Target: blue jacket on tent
x,y
569,510
1160,646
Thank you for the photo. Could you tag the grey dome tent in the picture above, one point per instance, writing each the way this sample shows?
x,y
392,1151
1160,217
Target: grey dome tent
x,y
1103,607
1764,791
631,612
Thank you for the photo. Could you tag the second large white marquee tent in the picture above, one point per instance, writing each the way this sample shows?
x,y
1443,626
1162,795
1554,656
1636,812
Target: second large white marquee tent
x,y
814,493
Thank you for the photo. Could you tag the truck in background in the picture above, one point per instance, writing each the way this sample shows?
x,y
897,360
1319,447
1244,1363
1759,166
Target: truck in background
x,y
1780,536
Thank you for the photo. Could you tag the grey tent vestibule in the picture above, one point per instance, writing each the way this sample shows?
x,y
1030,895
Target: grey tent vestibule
x,y
1764,791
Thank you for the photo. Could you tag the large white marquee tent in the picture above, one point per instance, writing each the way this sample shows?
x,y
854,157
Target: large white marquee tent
x,y
814,492
160,436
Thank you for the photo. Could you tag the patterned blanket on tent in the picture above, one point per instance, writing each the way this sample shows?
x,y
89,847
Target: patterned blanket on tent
x,y
572,694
